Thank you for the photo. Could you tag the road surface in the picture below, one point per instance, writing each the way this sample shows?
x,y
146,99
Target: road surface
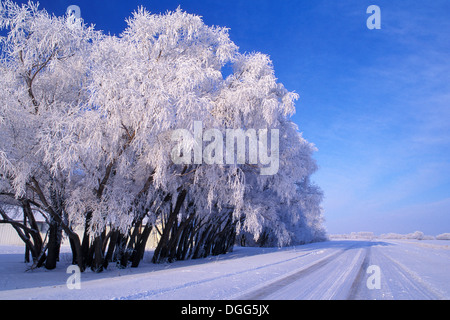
x,y
345,269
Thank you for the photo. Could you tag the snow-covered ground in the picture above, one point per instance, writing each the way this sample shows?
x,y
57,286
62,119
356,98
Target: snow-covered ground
x,y
409,269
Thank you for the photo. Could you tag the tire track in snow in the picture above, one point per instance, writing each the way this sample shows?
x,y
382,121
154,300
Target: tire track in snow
x,y
406,282
397,281
156,292
279,284
358,282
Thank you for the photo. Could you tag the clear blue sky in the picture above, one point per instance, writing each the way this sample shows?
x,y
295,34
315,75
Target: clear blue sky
x,y
376,103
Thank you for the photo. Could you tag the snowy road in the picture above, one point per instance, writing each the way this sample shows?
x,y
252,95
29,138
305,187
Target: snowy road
x,y
344,274
327,270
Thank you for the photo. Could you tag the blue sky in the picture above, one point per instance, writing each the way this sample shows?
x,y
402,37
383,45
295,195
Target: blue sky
x,y
376,103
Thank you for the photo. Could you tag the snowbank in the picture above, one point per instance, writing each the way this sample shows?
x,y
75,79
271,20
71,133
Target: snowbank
x,y
417,235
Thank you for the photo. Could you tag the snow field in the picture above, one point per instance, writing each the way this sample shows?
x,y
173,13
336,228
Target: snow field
x,y
325,270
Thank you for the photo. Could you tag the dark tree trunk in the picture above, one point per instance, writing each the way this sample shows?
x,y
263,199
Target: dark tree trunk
x,y
138,253
98,258
27,248
73,248
113,237
85,252
53,247
130,248
162,249
120,247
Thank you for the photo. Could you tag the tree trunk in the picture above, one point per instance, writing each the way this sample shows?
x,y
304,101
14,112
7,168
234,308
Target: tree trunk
x,y
86,240
27,248
113,237
140,246
52,248
98,259
162,249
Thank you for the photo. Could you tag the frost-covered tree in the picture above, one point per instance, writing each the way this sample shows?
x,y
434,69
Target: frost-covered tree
x,y
88,123
159,75
43,70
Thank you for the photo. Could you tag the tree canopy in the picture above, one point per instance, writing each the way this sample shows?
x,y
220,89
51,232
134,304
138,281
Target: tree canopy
x,y
87,124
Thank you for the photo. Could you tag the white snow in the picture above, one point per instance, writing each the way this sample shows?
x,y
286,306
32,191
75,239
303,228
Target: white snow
x,y
410,269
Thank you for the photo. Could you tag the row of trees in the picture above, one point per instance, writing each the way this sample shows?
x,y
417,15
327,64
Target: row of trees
x,y
85,140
